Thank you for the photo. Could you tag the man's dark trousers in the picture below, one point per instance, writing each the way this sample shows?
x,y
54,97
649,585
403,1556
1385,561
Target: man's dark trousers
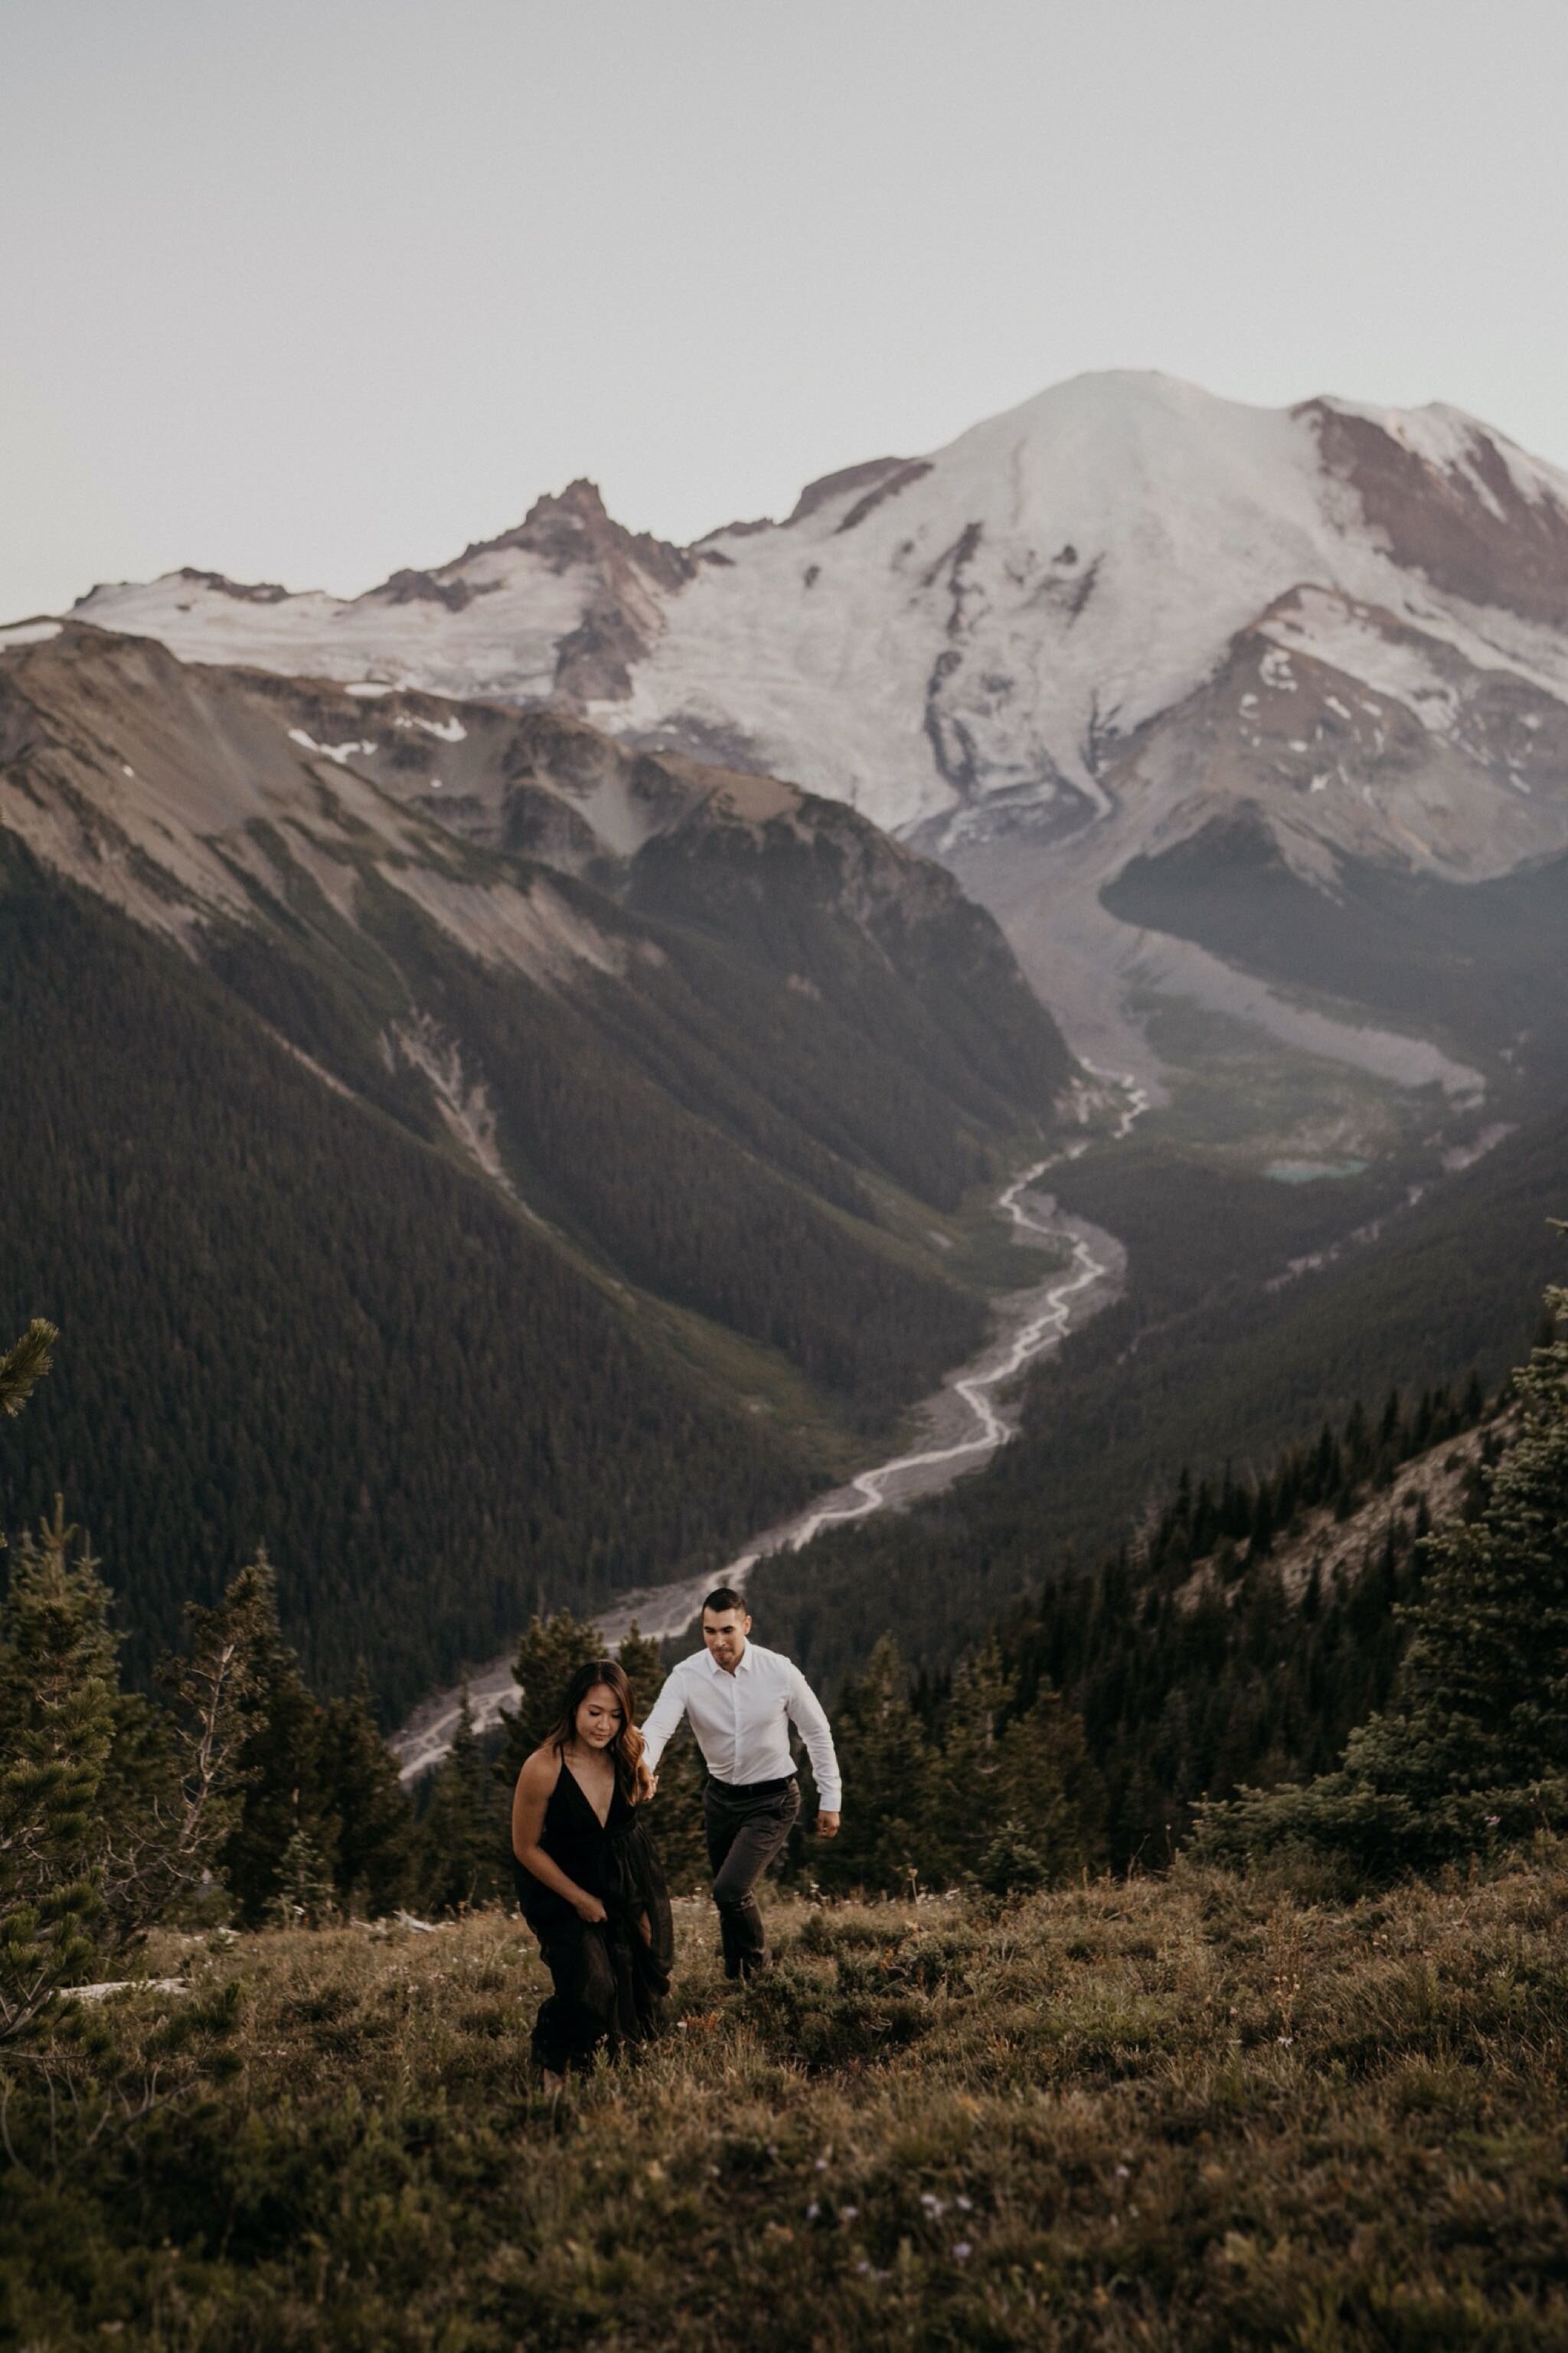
x,y
746,1829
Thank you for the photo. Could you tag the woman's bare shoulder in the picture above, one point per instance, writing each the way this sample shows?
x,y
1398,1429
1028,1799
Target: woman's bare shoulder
x,y
539,1770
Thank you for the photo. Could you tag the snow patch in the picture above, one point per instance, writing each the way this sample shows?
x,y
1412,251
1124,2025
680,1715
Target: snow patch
x,y
445,731
341,753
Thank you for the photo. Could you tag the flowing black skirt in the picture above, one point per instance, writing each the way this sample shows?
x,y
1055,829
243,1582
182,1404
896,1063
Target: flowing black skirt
x,y
610,1978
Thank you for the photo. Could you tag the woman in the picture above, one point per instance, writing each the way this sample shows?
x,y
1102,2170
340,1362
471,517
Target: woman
x,y
587,1877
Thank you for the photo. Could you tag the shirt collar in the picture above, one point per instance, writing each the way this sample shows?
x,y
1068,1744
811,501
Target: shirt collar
x,y
742,1664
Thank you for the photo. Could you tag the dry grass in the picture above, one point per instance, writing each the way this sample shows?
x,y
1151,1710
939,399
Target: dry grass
x,y
1202,2112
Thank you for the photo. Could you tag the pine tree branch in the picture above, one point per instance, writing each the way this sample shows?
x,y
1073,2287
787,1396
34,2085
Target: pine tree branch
x,y
24,1365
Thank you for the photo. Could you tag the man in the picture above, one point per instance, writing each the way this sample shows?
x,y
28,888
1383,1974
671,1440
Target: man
x,y
740,1701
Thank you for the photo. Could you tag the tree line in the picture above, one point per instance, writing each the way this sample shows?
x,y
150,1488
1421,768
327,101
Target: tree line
x,y
1414,1712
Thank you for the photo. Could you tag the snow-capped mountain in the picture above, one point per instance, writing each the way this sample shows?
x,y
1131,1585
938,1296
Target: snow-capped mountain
x,y
923,636
558,609
1078,634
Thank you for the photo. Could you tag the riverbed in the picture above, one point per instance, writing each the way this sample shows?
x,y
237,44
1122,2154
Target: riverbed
x,y
959,1427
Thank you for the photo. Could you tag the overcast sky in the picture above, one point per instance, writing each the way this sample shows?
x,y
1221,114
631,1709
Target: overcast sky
x,y
307,289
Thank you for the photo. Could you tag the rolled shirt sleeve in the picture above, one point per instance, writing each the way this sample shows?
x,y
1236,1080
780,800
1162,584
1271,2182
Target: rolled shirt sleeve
x,y
810,1719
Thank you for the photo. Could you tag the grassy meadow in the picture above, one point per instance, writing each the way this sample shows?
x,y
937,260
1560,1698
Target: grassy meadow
x,y
1196,2111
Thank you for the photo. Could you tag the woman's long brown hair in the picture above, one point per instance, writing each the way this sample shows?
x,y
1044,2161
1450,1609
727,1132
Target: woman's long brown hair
x,y
627,1745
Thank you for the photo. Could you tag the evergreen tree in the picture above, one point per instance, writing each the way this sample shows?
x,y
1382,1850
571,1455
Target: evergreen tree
x,y
178,1778
887,1839
969,1794
359,1780
643,1663
1477,1744
279,1763
1049,1786
111,1809
1016,1801
305,1891
24,1365
675,1815
548,1655
59,1686
463,1843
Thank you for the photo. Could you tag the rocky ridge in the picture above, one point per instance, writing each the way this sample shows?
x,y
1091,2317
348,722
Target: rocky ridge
x,y
997,633
1079,635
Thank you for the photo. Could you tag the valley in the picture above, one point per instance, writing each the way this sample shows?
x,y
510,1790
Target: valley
x,y
959,1427
1252,1311
734,920
622,1114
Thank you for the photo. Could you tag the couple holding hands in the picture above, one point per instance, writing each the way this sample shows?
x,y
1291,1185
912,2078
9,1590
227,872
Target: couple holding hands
x,y
588,1879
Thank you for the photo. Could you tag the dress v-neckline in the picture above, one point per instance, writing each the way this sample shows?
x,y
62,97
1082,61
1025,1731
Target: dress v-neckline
x,y
601,1819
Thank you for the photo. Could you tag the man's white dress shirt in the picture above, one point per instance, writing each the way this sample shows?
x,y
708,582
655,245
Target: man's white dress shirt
x,y
741,1720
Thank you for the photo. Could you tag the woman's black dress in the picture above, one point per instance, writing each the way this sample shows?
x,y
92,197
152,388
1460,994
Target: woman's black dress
x,y
610,1975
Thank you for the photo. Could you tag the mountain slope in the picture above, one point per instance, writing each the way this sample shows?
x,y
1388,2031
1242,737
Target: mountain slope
x,y
568,960
1076,635
711,1065
1238,1336
285,1320
1480,965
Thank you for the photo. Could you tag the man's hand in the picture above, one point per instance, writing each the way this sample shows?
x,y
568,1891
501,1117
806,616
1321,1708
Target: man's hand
x,y
826,1824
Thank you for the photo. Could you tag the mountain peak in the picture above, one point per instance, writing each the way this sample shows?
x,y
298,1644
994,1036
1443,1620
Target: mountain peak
x,y
963,637
581,498
575,527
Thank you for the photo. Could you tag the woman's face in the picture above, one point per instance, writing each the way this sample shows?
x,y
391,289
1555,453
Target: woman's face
x,y
598,1718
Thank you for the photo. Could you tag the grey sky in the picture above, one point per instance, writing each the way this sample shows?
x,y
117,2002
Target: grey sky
x,y
308,291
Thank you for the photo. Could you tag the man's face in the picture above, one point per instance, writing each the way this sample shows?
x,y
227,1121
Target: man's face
x,y
725,1632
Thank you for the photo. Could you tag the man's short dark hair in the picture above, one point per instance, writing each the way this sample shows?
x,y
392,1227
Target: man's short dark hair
x,y
724,1596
